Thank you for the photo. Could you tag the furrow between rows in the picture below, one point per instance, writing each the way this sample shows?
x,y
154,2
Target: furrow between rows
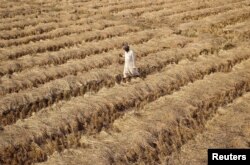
x,y
229,128
58,43
72,86
58,127
34,77
24,9
58,32
147,9
162,127
22,25
46,27
59,57
183,8
176,19
237,32
213,24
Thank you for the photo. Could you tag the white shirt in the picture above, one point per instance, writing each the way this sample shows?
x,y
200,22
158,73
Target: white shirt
x,y
129,66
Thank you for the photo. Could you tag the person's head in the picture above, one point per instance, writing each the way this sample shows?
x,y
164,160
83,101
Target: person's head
x,y
125,47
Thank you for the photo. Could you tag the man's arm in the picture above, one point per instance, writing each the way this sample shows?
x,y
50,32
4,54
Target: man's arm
x,y
133,58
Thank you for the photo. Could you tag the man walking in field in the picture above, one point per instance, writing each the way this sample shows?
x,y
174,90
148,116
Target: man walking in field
x,y
130,69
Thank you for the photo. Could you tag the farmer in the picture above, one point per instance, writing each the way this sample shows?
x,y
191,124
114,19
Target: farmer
x,y
130,69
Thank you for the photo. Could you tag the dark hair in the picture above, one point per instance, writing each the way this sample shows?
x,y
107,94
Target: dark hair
x,y
125,46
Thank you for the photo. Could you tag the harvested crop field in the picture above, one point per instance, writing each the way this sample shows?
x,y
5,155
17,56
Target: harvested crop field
x,y
63,99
